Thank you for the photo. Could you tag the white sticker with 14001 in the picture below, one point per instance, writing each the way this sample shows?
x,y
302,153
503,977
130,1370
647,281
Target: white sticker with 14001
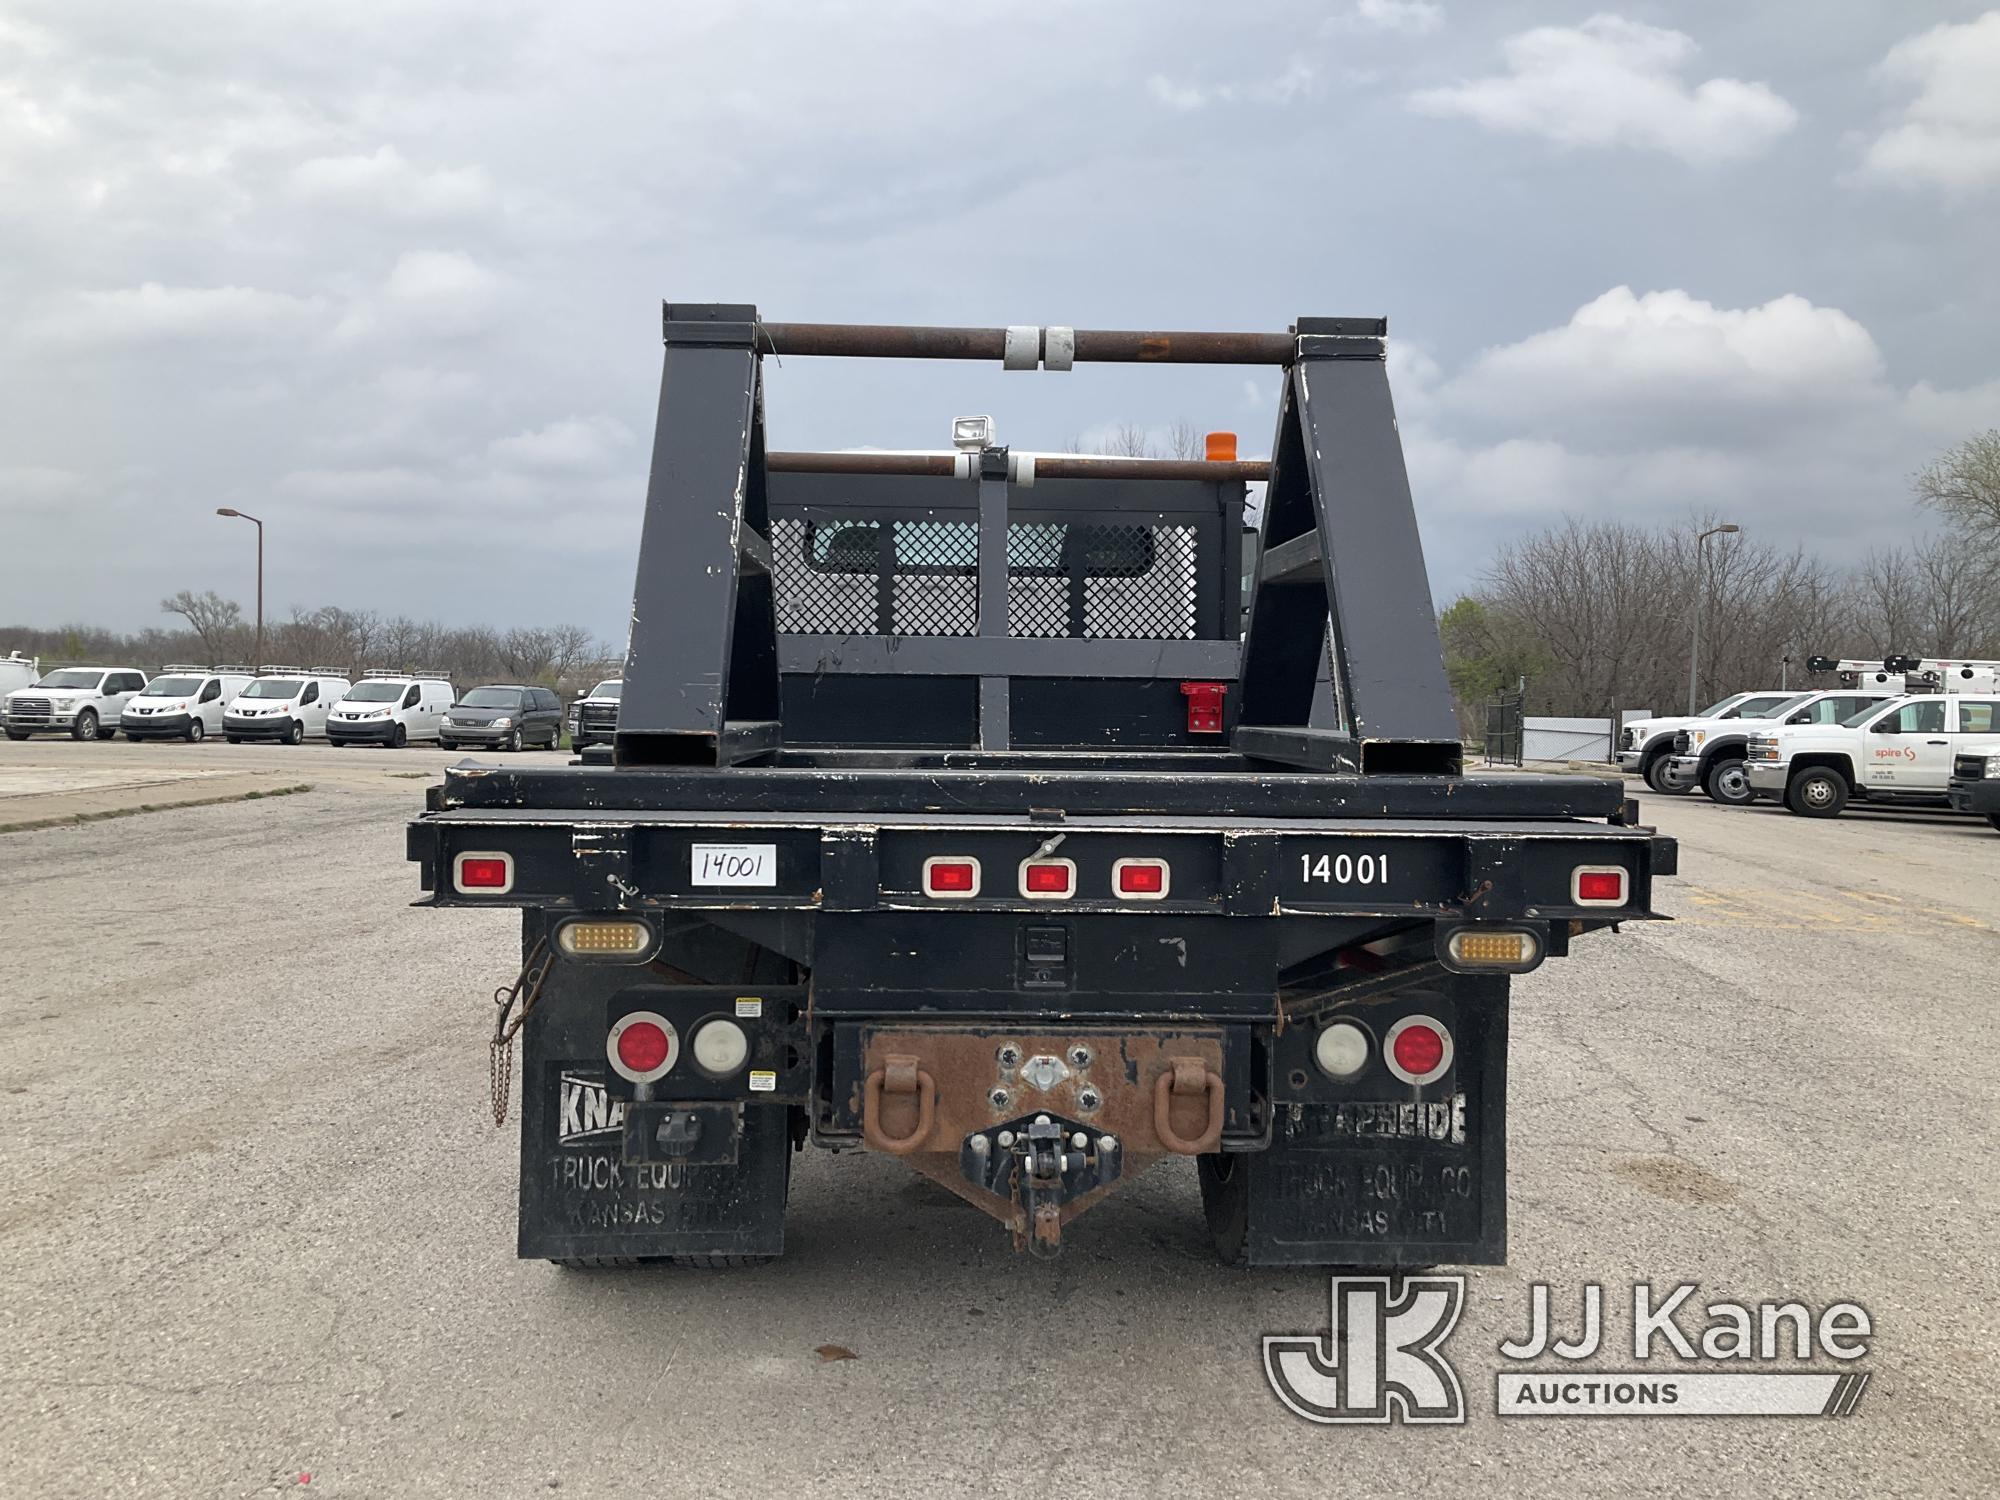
x,y
735,864
1344,869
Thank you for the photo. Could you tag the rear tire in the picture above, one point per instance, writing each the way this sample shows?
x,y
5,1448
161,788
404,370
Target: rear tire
x,y
196,732
1728,782
1817,792
86,726
1225,1204
1656,778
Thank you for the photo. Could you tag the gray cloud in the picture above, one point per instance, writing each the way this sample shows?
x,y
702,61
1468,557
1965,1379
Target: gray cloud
x,y
1616,82
388,273
1948,132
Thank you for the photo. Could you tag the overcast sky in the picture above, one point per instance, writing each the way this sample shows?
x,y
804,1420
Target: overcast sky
x,y
388,274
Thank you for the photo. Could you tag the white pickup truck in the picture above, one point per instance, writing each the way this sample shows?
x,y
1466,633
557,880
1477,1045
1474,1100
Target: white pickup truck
x,y
1646,745
81,702
1901,751
1709,753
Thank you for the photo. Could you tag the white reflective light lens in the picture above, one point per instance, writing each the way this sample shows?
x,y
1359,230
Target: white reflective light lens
x,y
720,1048
1342,1050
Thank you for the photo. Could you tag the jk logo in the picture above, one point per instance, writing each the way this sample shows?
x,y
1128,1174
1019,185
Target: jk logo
x,y
1380,1360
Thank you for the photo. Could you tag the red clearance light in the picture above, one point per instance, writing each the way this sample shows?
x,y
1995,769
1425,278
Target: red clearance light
x,y
1204,706
483,872
1144,879
951,875
1418,1049
1597,885
1048,879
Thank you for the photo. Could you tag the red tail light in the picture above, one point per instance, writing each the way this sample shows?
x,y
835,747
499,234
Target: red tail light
x,y
1597,885
1140,879
1048,879
643,1046
1418,1049
951,876
492,873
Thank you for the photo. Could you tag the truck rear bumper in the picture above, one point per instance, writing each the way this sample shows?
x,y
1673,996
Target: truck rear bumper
x,y
1299,1169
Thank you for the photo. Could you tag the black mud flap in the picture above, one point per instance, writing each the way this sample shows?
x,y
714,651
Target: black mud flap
x,y
691,1178
1410,1181
582,1196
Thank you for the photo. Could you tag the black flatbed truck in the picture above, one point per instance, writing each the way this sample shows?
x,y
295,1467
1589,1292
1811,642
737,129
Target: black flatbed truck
x,y
948,817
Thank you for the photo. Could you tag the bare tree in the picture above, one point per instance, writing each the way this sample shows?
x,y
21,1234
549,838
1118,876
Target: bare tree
x,y
216,622
1185,440
1963,485
1129,440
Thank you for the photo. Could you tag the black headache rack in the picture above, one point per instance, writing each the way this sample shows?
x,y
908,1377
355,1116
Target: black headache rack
x,y
851,666
871,658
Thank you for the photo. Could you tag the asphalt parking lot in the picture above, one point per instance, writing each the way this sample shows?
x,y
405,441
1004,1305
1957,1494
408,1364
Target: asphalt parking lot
x,y
258,1225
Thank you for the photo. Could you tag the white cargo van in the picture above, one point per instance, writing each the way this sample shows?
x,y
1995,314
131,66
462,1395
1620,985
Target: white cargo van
x,y
285,704
184,702
17,671
391,708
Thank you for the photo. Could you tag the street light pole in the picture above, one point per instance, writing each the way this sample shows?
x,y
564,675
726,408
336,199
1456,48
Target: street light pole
x,y
224,510
1700,589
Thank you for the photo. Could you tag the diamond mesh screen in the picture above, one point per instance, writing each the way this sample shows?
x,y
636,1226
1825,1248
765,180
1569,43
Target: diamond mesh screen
x,y
828,577
1130,582
847,577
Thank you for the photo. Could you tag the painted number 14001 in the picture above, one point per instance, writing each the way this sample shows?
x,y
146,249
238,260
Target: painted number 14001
x,y
1344,869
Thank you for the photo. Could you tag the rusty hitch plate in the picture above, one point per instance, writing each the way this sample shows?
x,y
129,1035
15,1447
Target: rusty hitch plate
x,y
983,1079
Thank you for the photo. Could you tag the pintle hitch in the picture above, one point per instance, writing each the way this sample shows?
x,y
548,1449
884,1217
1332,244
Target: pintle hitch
x,y
1041,1162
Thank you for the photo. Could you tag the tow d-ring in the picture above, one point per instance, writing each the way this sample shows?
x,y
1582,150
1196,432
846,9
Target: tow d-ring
x,y
1188,1076
899,1075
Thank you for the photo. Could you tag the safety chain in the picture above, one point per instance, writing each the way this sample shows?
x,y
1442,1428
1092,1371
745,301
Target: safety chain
x,y
527,989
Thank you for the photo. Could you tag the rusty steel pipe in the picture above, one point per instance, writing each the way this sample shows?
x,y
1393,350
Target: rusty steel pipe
x,y
1047,466
1095,345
